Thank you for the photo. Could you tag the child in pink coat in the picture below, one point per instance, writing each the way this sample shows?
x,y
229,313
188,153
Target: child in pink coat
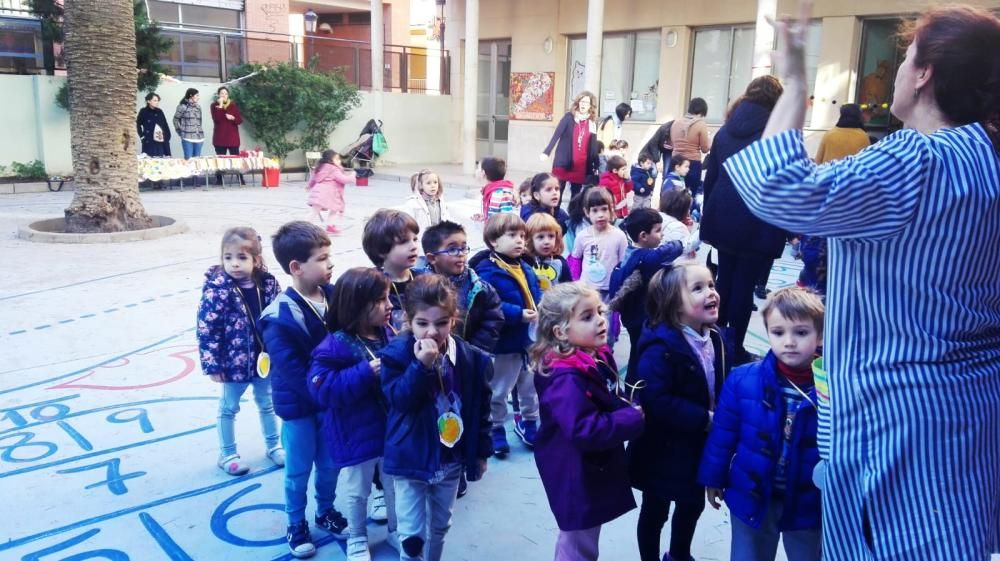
x,y
326,189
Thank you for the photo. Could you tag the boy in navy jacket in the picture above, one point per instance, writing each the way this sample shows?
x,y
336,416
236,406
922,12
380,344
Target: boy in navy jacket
x,y
643,182
291,327
519,292
762,449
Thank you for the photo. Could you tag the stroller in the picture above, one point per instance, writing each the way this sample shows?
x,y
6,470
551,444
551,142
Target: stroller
x,y
362,153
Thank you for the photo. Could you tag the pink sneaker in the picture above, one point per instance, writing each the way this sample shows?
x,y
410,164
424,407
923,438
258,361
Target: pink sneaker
x,y
331,229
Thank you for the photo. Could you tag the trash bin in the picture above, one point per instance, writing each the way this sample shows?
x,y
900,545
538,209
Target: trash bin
x,y
272,176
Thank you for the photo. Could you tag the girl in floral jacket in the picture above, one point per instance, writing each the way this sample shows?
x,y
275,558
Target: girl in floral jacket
x,y
230,348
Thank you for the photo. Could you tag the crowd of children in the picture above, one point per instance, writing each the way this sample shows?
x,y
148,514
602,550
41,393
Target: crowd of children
x,y
396,379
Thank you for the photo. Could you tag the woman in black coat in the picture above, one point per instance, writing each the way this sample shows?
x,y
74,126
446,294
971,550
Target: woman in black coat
x,y
576,137
151,124
746,245
659,148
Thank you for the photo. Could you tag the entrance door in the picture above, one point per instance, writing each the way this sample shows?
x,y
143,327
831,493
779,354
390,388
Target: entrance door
x,y
493,103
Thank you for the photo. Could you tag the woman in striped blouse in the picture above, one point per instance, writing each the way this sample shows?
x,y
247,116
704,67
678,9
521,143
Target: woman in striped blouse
x,y
911,432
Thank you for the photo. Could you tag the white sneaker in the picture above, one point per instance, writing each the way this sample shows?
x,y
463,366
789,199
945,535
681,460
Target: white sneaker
x,y
392,539
357,549
377,510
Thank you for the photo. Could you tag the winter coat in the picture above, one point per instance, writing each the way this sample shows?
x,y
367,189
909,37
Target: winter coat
x,y
145,124
504,201
647,261
291,331
514,335
417,207
579,450
643,181
564,136
675,398
226,338
226,132
619,189
840,143
746,443
727,223
481,313
187,122
561,216
348,391
549,271
412,442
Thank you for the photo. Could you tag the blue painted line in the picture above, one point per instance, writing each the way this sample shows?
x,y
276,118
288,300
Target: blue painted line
x,y
103,452
63,321
38,404
85,316
45,326
109,310
148,300
159,502
131,305
167,295
121,406
18,332
98,365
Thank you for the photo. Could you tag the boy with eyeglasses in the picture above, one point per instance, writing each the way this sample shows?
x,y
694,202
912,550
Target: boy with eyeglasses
x,y
480,317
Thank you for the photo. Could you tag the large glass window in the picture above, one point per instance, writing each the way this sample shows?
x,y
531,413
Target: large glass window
x,y
21,46
721,67
881,55
190,15
630,72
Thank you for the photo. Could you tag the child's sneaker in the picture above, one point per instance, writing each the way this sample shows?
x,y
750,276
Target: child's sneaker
x,y
277,455
333,522
377,511
233,465
299,540
500,446
527,431
357,549
463,486
331,229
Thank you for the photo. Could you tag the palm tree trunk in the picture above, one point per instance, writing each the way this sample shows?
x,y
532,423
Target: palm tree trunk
x,y
100,58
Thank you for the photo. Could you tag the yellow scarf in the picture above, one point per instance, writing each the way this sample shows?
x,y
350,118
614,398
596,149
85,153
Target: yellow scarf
x,y
522,281
225,105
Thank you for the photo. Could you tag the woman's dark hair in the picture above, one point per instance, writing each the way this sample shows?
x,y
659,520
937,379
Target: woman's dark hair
x,y
191,92
623,110
960,44
698,106
218,91
151,95
356,291
850,117
764,90
327,156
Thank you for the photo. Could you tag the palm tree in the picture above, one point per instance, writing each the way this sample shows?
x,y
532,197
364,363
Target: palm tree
x,y
100,57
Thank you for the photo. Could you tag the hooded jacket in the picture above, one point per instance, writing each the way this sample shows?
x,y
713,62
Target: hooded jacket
x,y
226,338
726,222
579,450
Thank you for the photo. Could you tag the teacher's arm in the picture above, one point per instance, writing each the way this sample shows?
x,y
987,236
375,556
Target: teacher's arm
x,y
563,123
790,111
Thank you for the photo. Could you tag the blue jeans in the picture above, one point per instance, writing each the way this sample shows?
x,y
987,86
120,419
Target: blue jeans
x,y
304,447
229,406
191,149
762,544
416,502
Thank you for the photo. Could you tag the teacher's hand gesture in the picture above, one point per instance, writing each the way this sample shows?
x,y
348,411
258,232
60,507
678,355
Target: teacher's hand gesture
x,y
790,62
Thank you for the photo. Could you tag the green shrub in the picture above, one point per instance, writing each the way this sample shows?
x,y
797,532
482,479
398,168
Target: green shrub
x,y
290,108
30,170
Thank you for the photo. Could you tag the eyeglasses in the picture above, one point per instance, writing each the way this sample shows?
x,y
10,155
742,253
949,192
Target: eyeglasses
x,y
453,251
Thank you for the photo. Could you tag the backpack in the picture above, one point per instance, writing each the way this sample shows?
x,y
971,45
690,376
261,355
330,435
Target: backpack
x,y
379,144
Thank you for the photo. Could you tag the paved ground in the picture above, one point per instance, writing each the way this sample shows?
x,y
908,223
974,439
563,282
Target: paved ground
x,y
107,427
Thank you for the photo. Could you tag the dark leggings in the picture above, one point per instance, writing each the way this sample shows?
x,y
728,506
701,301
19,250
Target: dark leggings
x,y
574,190
653,516
221,151
738,274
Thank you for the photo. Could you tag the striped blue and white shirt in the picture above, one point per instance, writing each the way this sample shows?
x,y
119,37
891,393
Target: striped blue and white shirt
x,y
912,337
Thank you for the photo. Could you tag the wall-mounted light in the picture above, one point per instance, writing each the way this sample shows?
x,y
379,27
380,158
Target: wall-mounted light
x,y
671,39
547,45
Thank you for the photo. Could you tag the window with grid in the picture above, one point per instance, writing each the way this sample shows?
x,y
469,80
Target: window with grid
x,y
630,71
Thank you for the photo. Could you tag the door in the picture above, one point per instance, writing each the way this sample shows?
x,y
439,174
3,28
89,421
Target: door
x,y
493,103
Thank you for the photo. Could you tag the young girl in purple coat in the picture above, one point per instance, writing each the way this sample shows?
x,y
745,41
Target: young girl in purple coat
x,y
345,381
585,420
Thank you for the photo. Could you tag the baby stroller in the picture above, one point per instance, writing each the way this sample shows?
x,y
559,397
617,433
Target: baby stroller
x,y
362,153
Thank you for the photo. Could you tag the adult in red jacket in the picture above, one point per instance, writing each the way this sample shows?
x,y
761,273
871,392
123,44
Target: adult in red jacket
x,y
575,135
226,137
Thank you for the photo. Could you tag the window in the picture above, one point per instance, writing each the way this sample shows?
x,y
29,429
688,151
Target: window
x,y
881,55
721,67
21,46
193,16
630,72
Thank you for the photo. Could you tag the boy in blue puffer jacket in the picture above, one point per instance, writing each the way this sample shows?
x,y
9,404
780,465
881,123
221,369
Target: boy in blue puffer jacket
x,y
520,293
762,448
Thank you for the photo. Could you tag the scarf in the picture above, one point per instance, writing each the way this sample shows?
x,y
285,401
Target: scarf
x,y
705,351
517,272
225,105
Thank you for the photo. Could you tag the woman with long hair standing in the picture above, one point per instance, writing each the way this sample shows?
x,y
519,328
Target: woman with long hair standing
x,y
910,424
574,133
226,136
